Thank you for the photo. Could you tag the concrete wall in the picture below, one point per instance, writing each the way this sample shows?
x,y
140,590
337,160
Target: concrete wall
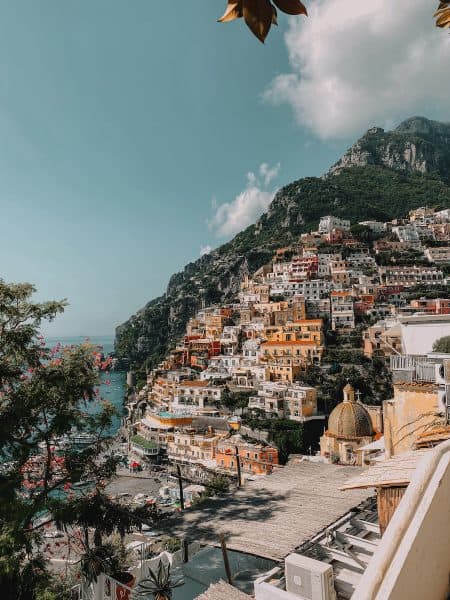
x,y
413,559
269,591
405,417
419,338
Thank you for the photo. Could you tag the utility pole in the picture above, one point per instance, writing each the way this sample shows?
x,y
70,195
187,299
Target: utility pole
x,y
238,465
226,561
180,484
185,548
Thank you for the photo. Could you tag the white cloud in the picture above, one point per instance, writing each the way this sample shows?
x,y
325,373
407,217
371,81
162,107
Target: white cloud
x,y
231,217
358,63
268,173
205,250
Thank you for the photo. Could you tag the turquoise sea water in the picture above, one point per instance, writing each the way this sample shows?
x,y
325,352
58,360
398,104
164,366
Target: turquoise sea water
x,y
114,392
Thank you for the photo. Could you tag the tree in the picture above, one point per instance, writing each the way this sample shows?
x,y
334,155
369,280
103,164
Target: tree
x,y
234,400
46,396
288,436
442,14
442,345
260,15
217,486
361,232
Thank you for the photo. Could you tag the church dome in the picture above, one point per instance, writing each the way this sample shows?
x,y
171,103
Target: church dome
x,y
350,419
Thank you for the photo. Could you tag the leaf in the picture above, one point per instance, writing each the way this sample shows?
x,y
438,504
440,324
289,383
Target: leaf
x,y
442,15
291,7
274,16
258,15
233,11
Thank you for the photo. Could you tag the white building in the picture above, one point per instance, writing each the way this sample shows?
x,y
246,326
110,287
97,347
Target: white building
x,y
327,224
375,226
361,259
251,351
411,275
229,339
310,290
301,403
269,398
440,254
342,311
419,332
408,234
325,260
196,393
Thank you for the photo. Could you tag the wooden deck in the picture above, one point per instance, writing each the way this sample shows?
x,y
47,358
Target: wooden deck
x,y
274,515
223,591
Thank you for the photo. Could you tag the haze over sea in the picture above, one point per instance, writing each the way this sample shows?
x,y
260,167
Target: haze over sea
x,y
114,392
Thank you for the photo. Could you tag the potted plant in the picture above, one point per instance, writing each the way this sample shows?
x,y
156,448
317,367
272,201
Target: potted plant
x,y
159,585
128,580
110,560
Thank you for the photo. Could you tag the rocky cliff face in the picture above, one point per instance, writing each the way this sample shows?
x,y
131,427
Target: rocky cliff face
x,y
382,176
416,145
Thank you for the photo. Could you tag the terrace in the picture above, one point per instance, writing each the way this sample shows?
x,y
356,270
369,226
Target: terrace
x,y
143,447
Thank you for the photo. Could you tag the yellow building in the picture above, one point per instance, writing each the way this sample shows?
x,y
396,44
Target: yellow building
x,y
190,446
285,360
410,413
310,330
349,428
162,392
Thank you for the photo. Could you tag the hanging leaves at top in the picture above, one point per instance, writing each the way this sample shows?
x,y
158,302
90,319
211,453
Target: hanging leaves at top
x,y
442,14
259,15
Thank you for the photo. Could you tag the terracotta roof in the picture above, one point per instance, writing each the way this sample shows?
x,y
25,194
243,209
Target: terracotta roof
x,y
293,343
350,420
306,321
272,516
193,383
433,436
393,472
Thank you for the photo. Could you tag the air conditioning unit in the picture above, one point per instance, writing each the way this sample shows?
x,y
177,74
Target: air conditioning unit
x,y
446,365
308,578
443,372
439,374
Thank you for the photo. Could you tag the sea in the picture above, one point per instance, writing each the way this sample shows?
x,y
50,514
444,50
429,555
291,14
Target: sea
x,y
112,387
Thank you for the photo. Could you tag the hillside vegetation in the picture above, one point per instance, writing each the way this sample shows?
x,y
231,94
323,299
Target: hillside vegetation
x,y
361,190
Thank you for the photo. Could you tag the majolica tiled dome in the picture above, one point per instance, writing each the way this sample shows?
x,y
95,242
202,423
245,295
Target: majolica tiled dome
x,y
350,419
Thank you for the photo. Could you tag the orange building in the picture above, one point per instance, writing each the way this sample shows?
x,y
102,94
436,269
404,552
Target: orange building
x,y
432,306
255,459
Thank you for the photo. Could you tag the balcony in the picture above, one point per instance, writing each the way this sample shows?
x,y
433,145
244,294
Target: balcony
x,y
412,558
143,447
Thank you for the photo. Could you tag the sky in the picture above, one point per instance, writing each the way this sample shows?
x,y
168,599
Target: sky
x,y
136,136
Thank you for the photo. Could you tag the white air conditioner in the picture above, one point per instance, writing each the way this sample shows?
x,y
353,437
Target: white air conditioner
x,y
440,375
308,578
446,365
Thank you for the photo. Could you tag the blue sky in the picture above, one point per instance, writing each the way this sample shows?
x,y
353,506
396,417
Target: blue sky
x,y
125,126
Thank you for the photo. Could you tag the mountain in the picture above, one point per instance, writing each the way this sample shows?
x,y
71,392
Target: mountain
x,y
382,176
417,145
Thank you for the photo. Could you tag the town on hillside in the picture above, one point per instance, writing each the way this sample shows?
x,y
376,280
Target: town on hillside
x,y
274,443
327,378
323,347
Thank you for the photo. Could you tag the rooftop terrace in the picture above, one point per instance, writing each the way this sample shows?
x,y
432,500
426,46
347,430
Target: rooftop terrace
x,y
272,516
